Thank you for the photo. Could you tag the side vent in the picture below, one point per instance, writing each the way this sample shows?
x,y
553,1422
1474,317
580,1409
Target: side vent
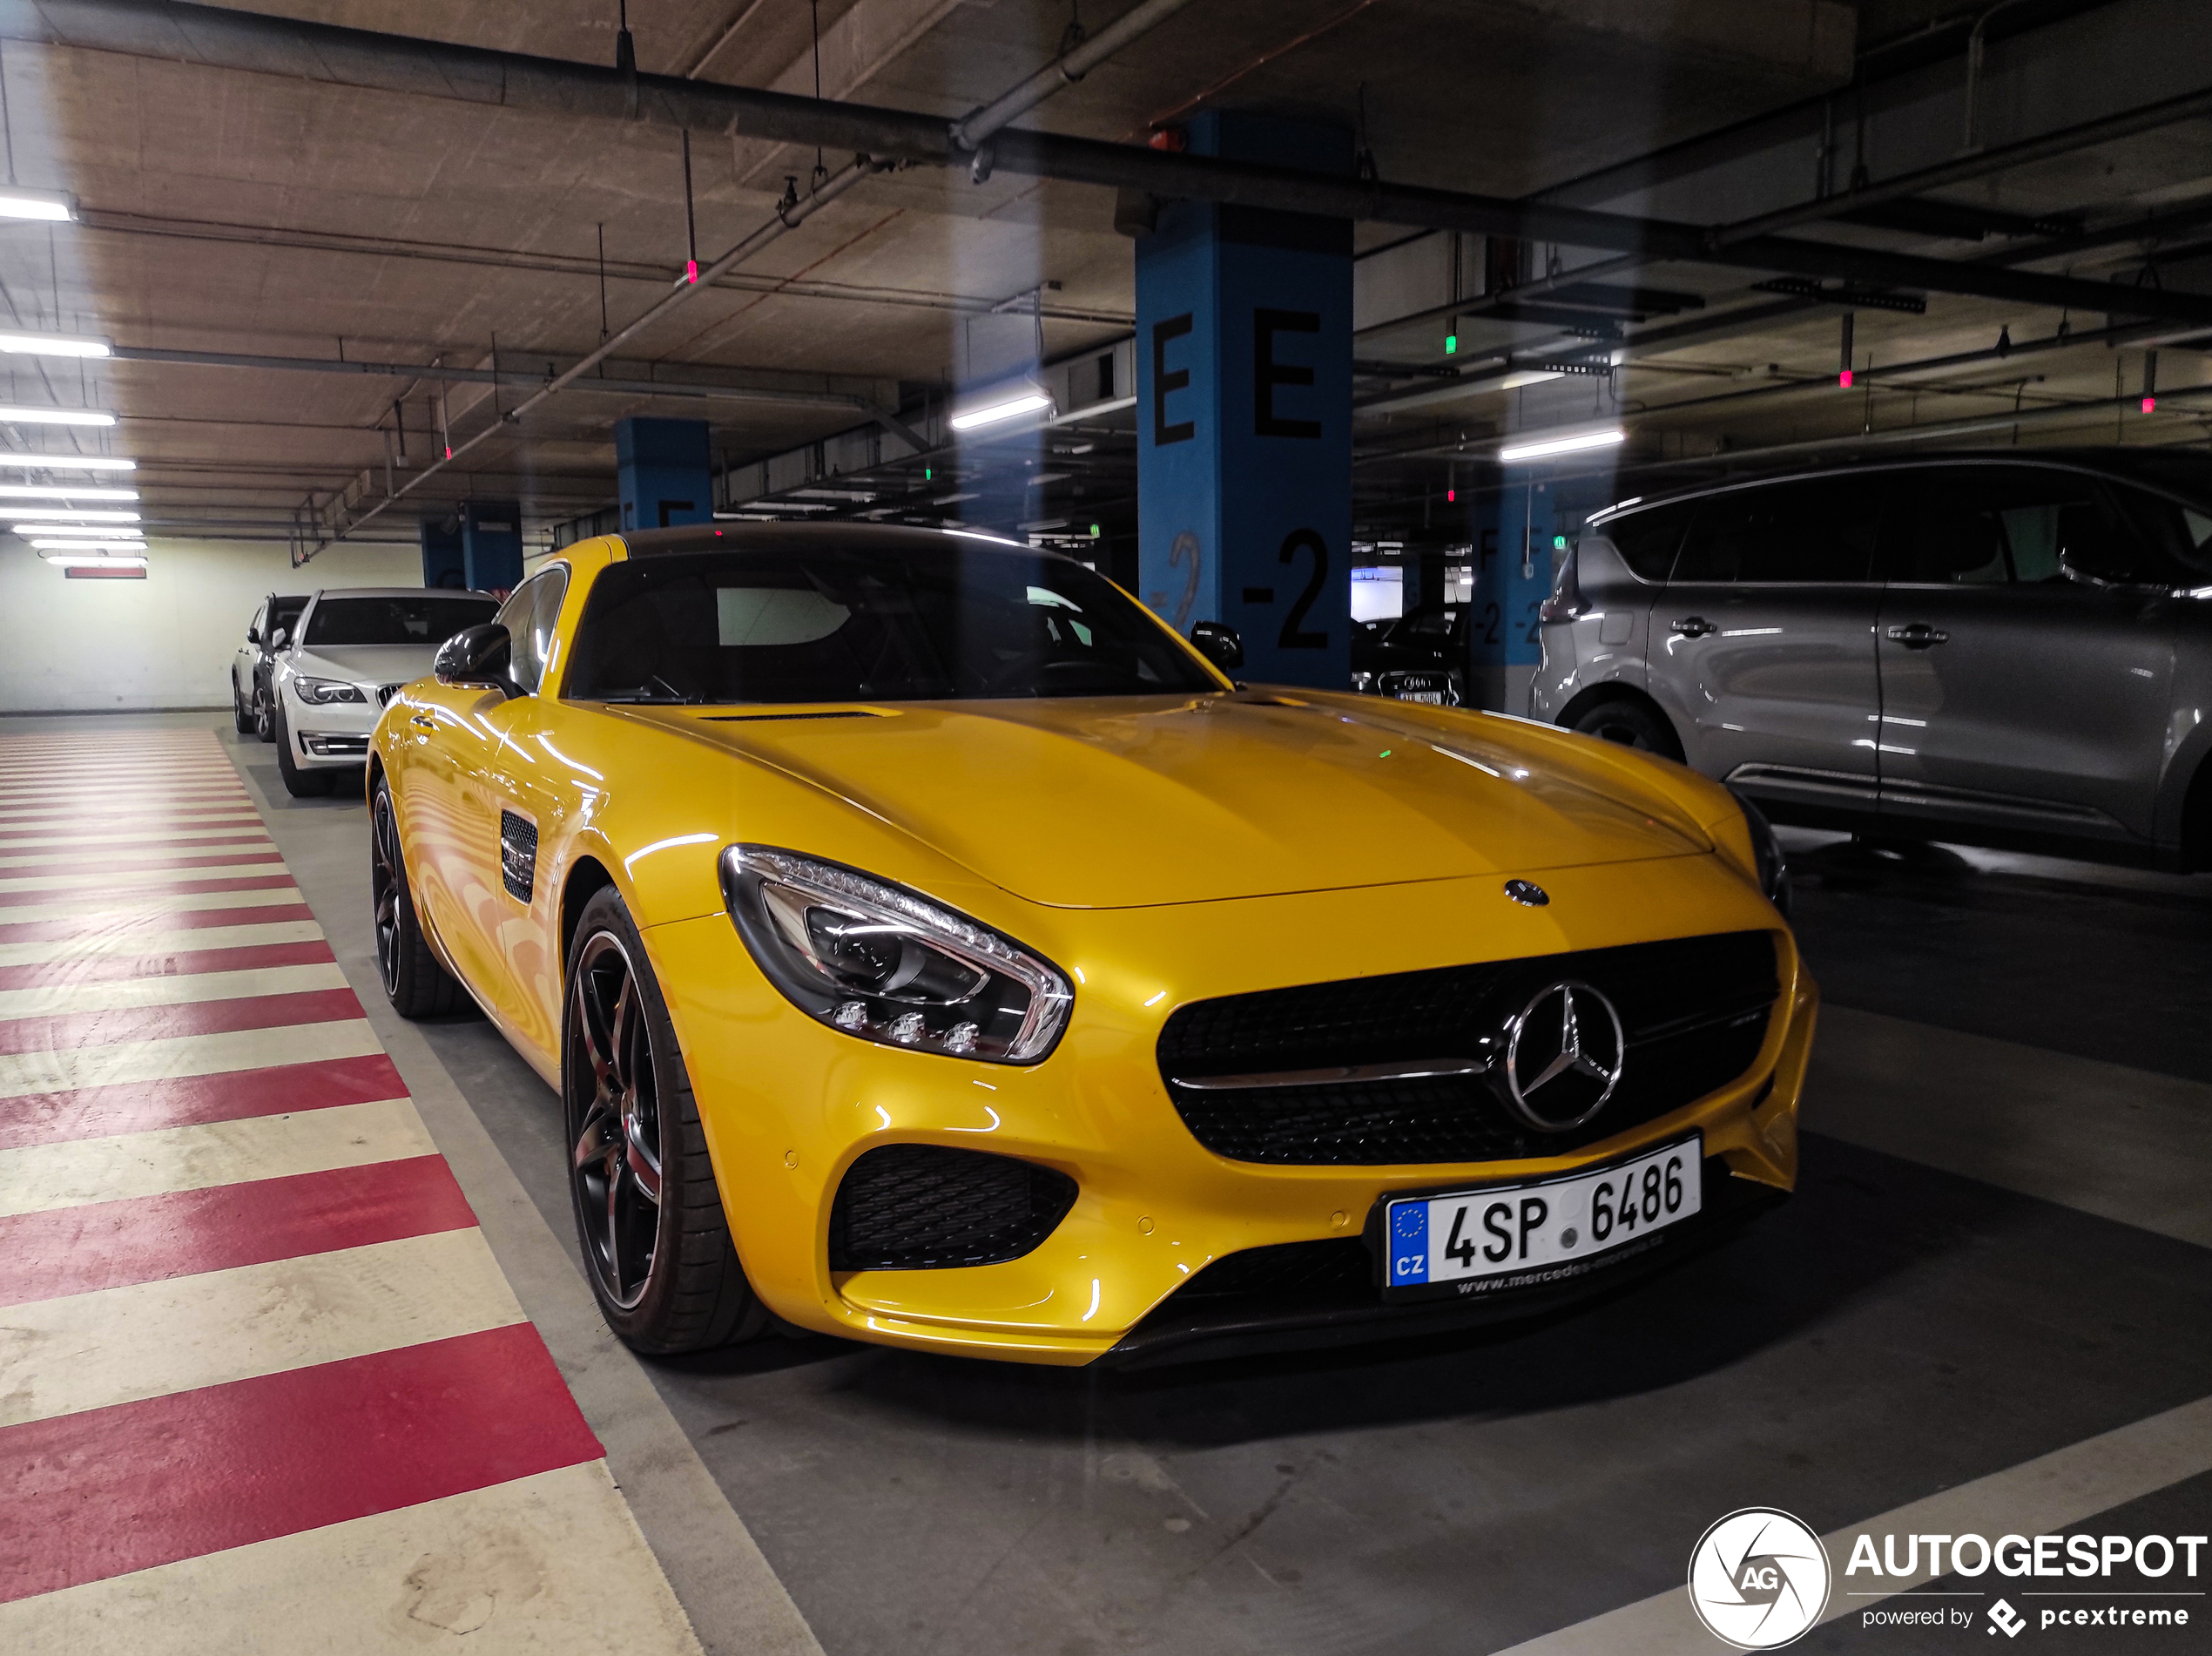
x,y
517,856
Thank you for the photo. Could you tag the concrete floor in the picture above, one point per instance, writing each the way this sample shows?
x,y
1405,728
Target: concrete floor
x,y
1998,1252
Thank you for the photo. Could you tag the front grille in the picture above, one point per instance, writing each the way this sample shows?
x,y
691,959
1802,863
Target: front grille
x,y
386,692
917,1206
1694,1011
1311,1272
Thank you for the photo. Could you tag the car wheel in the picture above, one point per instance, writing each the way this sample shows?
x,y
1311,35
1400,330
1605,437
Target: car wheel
x,y
414,982
1632,724
300,784
241,715
264,716
656,1243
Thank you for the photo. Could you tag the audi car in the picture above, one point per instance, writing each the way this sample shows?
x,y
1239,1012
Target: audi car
x,y
928,946
351,648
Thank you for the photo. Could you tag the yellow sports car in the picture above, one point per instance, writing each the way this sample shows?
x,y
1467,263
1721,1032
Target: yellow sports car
x,y
931,947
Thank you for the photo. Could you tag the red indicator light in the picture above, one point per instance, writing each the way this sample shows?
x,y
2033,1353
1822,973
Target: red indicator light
x,y
1451,494
1844,379
2150,405
691,270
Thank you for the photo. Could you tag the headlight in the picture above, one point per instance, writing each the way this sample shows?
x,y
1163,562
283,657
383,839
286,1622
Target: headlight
x,y
1766,850
320,692
880,962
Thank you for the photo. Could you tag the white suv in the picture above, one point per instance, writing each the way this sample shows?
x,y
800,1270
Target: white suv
x,y
352,647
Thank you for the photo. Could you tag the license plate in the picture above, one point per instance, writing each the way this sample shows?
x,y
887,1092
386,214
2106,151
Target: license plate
x,y
1515,1236
1434,698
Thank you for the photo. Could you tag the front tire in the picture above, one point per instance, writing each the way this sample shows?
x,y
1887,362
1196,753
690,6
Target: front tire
x,y
300,784
264,716
414,982
241,715
656,1244
1631,724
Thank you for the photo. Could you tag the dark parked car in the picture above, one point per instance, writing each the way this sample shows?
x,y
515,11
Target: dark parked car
x,y
1419,656
2002,649
253,703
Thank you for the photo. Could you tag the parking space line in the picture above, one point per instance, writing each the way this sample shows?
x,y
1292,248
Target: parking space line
x,y
238,833
120,1345
492,1565
2046,1495
251,935
24,1035
108,879
166,856
54,1253
37,1177
117,966
193,1472
148,911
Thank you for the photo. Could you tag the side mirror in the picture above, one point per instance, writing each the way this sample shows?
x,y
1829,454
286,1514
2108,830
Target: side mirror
x,y
478,655
279,638
1218,643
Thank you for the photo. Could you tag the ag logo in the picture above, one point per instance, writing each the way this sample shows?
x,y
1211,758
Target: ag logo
x,y
1758,1578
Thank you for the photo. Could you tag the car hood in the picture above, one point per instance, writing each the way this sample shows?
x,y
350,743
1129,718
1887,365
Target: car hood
x,y
365,663
1093,804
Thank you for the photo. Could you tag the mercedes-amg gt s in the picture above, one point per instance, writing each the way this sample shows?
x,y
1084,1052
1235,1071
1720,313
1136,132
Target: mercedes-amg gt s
x,y
931,947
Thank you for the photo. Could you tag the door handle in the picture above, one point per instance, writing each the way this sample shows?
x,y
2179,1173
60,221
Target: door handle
x,y
1694,626
1918,636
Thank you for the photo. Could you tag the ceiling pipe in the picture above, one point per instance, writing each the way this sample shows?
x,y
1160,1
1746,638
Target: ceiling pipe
x,y
969,134
324,54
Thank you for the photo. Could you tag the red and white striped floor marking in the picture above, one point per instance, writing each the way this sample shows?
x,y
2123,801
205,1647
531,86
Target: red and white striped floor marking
x,y
262,1384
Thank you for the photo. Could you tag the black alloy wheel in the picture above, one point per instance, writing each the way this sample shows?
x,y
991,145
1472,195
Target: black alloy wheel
x,y
264,716
414,982
655,1243
617,1158
241,715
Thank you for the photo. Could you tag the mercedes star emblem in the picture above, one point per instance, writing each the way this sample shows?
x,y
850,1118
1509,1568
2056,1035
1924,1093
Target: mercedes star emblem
x,y
1528,893
1564,1054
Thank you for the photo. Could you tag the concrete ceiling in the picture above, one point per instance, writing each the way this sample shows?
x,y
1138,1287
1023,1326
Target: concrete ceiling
x,y
250,215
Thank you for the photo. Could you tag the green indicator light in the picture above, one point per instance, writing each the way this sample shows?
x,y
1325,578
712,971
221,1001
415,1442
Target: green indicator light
x,y
1094,531
1384,755
1559,542
1451,345
927,472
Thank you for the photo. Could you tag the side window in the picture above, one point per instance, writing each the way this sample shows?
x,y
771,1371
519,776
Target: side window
x,y
253,627
2000,525
1646,539
1817,530
528,616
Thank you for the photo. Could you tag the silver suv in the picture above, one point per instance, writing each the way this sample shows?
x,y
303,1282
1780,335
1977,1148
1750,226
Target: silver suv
x,y
1999,649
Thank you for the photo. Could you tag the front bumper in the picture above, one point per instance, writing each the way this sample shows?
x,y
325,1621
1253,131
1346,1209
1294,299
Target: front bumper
x,y
788,1105
331,735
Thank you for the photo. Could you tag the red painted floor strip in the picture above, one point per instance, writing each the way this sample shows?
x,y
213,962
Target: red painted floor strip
x,y
176,963
122,895
111,1491
105,1245
146,858
111,924
163,1023
144,1106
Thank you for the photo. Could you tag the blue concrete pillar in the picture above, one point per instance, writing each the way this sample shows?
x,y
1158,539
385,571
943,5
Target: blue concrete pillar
x,y
1514,561
1243,362
443,564
665,471
491,544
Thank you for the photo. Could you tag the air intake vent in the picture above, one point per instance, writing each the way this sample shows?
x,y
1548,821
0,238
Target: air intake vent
x,y
907,1208
517,854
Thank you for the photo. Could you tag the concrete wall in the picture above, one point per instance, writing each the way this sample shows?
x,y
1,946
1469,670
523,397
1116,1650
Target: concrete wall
x,y
166,641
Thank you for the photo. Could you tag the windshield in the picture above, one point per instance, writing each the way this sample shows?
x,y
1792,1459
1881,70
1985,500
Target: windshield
x,y
867,624
427,621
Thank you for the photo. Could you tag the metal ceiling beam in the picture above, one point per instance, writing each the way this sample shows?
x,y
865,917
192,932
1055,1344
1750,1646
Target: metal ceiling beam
x,y
324,54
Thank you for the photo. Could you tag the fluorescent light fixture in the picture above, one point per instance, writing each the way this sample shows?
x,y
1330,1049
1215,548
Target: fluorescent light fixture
x,y
85,531
1012,408
56,207
55,345
76,518
58,491
66,463
137,546
55,416
1543,447
1519,377
96,563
